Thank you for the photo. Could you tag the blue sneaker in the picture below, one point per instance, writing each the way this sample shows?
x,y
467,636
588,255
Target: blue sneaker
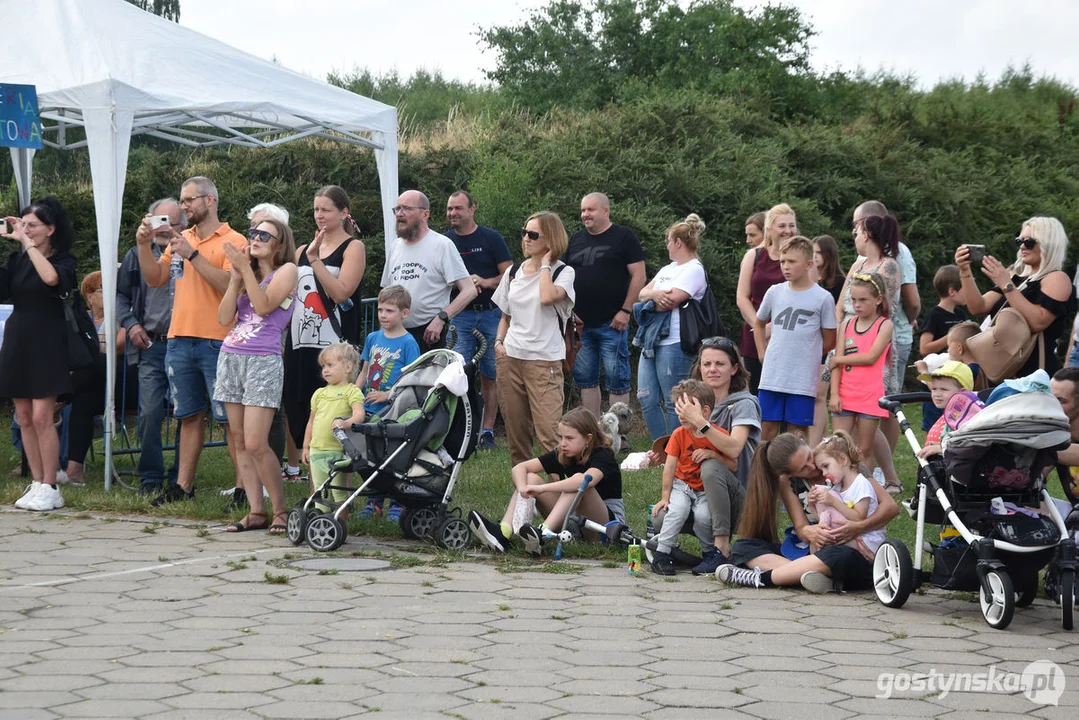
x,y
711,562
371,510
394,514
487,440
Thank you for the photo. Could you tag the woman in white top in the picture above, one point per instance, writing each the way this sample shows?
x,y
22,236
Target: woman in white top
x,y
536,299
666,365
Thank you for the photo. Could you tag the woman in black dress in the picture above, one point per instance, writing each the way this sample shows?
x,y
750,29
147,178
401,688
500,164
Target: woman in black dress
x,y
33,359
328,293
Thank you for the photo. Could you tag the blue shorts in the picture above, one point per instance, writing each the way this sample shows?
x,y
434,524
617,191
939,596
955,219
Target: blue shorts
x,y
191,364
786,407
610,347
851,413
486,321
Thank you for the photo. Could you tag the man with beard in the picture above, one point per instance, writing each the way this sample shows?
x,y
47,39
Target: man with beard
x,y
195,335
428,265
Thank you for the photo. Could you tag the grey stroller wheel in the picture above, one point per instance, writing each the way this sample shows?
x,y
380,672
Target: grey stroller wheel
x,y
453,534
295,526
418,523
893,574
1067,598
997,597
325,533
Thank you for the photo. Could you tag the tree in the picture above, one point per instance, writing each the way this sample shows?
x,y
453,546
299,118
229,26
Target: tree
x,y
588,54
168,9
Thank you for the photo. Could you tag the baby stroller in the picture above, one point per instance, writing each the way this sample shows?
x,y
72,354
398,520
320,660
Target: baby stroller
x,y
1000,456
412,454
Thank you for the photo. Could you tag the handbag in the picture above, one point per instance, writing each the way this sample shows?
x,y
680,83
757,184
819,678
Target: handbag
x,y
1004,347
699,320
567,329
83,351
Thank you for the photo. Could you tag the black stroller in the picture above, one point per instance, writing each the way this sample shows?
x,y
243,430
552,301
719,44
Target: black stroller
x,y
999,456
412,454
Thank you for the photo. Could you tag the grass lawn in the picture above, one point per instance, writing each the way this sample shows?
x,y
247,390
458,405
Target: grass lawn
x,y
483,485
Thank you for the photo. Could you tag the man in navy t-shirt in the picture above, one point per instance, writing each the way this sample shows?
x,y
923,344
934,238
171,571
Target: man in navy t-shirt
x,y
486,256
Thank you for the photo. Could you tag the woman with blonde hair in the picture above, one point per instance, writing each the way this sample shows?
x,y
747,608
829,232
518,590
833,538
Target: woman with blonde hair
x,y
663,363
1035,286
760,271
536,300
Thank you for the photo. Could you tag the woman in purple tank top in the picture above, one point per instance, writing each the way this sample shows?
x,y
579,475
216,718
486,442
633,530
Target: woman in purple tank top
x,y
250,372
760,271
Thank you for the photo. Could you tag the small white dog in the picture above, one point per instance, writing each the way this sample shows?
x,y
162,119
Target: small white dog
x,y
615,422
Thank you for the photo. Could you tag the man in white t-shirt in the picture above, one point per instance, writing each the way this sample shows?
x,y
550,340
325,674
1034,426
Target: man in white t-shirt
x,y
428,265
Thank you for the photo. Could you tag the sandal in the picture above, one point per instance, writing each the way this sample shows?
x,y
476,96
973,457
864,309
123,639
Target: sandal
x,y
893,488
279,528
241,527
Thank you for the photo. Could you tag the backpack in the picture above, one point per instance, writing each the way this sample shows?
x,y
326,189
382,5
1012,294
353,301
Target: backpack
x,y
568,331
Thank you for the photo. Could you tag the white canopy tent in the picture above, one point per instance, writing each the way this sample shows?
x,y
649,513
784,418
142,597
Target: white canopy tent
x,y
117,71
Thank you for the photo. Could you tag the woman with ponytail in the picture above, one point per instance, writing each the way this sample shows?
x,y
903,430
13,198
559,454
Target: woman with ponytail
x,y
784,470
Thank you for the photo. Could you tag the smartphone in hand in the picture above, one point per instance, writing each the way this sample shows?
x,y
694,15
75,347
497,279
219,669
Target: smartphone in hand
x,y
977,252
5,229
159,221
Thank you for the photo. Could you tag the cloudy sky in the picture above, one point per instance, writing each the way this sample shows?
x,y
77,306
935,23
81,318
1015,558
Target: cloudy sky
x,y
934,39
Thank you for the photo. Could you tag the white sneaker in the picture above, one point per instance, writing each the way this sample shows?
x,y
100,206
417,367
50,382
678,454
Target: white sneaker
x,y
62,478
31,490
817,582
878,475
46,498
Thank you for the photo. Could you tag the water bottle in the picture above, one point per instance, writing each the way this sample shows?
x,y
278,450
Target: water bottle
x,y
345,305
176,267
633,562
650,528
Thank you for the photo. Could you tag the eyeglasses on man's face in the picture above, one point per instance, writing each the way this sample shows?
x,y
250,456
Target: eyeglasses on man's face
x,y
405,209
188,200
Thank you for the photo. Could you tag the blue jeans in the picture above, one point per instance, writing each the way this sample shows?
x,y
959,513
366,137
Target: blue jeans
x,y
1073,360
655,378
486,321
610,347
153,394
192,367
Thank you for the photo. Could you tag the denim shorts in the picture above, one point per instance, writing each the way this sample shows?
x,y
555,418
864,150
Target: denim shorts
x,y
610,347
192,367
249,380
486,321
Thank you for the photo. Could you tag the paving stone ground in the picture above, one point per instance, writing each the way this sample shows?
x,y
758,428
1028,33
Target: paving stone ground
x,y
105,617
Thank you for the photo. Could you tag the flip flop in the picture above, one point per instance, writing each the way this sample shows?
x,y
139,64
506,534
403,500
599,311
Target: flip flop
x,y
240,527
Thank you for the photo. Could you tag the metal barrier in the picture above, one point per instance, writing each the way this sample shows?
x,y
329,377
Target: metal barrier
x,y
127,442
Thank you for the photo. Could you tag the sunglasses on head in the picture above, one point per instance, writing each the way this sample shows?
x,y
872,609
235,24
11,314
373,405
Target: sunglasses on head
x,y
1025,243
530,234
723,343
263,236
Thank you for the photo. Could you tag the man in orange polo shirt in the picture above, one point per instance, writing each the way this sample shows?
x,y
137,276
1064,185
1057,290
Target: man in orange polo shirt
x,y
195,335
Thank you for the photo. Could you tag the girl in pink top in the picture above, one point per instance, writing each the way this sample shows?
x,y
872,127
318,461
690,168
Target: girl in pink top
x,y
858,366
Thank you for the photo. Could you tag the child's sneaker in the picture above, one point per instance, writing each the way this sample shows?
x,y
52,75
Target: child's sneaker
x,y
663,564
292,475
487,440
487,532
371,510
734,575
711,562
817,582
394,514
533,540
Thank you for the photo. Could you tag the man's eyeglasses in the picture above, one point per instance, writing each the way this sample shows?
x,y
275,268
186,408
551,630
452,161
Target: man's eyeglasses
x,y
723,343
405,209
530,234
1025,243
262,236
189,200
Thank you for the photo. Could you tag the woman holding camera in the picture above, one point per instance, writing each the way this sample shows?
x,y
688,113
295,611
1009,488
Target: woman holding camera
x,y
33,366
1035,286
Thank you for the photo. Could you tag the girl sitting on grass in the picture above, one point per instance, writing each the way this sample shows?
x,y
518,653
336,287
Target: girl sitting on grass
x,y
552,481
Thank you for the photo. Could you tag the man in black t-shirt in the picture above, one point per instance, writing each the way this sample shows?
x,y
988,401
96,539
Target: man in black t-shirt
x,y
609,273
486,256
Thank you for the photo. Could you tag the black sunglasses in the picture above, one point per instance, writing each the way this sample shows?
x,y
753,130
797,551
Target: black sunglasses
x,y
1026,243
263,236
723,343
530,234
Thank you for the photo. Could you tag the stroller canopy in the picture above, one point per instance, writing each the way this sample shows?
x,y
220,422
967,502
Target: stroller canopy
x,y
1031,419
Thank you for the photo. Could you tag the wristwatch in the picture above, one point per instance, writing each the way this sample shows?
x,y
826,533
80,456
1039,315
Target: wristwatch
x,y
1009,287
443,316
704,428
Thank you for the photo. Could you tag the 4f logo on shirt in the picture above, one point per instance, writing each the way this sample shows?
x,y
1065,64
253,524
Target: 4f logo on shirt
x,y
589,255
791,318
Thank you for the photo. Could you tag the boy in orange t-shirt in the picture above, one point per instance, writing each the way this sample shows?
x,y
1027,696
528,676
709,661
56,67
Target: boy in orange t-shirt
x,y
683,492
